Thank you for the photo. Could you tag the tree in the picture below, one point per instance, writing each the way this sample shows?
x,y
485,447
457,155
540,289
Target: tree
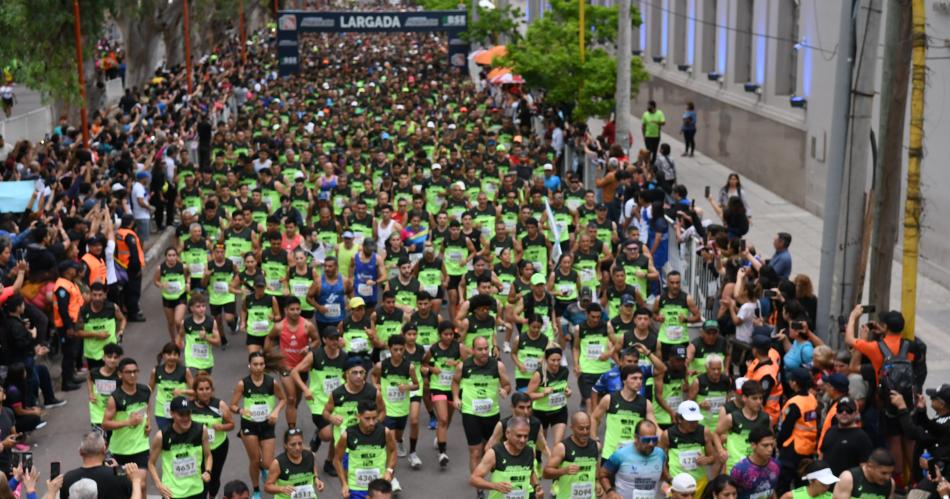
x,y
494,26
548,57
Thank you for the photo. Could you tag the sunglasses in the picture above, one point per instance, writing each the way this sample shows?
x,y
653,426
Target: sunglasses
x,y
846,410
295,431
649,440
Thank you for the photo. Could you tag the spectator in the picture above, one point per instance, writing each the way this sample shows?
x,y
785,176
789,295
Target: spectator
x,y
931,435
689,130
28,416
757,474
781,261
845,445
92,450
141,208
652,123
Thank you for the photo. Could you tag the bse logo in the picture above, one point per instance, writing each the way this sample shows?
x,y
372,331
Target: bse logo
x,y
454,20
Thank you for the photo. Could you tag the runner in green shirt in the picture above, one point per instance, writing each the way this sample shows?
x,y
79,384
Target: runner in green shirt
x,y
100,323
395,377
168,380
317,375
293,474
819,481
370,449
215,415
510,464
184,452
443,359
690,446
102,382
126,416
263,403
574,461
171,278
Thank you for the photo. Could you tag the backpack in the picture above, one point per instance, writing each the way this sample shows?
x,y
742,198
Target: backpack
x,y
897,374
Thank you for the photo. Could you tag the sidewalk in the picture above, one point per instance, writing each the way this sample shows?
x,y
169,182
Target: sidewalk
x,y
770,214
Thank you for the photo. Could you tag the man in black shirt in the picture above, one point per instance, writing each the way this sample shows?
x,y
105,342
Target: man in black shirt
x,y
846,445
93,453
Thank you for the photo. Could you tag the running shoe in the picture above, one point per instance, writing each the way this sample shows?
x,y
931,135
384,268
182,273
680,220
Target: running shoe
x,y
414,461
443,460
401,449
506,347
396,487
432,424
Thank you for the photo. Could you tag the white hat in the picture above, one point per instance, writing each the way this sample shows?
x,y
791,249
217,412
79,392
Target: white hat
x,y
548,166
451,126
684,483
436,166
823,475
116,187
739,382
460,185
689,410
430,125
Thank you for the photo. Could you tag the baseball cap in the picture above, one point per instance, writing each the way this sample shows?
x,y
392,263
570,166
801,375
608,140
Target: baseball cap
x,y
837,381
684,483
678,351
761,341
710,325
627,299
739,382
259,281
537,279
942,392
820,471
846,404
330,332
586,293
548,166
116,187
357,302
180,404
436,166
141,175
347,235
689,410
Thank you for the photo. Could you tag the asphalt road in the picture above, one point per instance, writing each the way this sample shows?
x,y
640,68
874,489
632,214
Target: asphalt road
x,y
60,439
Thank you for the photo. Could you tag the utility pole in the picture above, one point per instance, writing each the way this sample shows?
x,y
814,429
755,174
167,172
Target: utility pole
x,y
187,47
623,125
886,201
83,110
826,325
915,152
243,36
853,194
581,28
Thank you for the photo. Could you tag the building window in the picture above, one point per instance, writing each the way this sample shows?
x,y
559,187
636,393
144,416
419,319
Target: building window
x,y
679,33
786,61
743,48
708,46
656,29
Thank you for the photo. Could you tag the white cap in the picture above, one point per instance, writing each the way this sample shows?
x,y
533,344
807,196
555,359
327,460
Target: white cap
x,y
823,475
326,86
299,175
548,166
400,107
436,166
740,382
257,87
689,410
116,187
430,124
451,126
684,483
460,185
353,104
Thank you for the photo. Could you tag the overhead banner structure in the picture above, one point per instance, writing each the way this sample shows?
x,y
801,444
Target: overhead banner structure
x,y
291,23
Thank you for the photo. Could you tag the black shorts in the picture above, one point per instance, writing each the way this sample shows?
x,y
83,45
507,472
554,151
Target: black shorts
x,y
195,370
549,419
560,306
262,430
585,384
478,429
255,340
395,423
140,459
415,399
521,383
94,364
454,281
319,422
227,308
173,303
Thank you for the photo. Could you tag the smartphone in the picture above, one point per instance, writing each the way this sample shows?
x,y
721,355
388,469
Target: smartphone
x,y
27,461
932,466
707,191
797,325
771,293
742,245
53,470
868,309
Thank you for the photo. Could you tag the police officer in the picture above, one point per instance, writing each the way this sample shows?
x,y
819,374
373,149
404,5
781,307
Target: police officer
x,y
185,455
67,302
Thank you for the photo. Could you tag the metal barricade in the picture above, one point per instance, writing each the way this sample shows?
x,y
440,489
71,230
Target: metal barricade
x,y
33,126
699,281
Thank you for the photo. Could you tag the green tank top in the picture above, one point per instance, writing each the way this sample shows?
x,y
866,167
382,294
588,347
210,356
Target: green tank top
x,y
416,358
165,385
479,387
101,321
802,493
430,276
622,418
581,485
557,399
427,329
594,342
130,440
300,476
209,416
219,283
484,328
388,324
635,272
275,269
440,359
259,311
195,256
102,388
345,258
702,350
326,375
615,297
259,400
864,489
173,281
345,405
391,376
586,267
715,393
367,456
406,294
514,469
507,277
536,251
673,394
455,254
672,329
531,354
685,448
326,233
565,286
198,352
355,337
299,286
182,456
737,441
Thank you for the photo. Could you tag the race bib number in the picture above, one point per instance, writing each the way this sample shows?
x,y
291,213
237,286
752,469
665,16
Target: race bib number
x,y
715,403
455,257
167,409
688,460
303,492
505,288
105,386
333,309
587,275
565,289
220,287
674,401
359,345
482,406
237,260
582,490
210,431
431,289
260,326
199,350
196,269
365,290
644,494
557,400
515,494
273,284
173,287
259,413
594,351
445,377
674,332
762,494
330,384
300,289
366,475
531,364
394,394
184,467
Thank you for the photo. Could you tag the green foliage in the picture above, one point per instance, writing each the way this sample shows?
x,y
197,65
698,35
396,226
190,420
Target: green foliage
x,y
40,38
493,24
548,57
445,4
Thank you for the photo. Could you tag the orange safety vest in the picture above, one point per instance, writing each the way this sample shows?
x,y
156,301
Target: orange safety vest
x,y
757,371
805,434
97,268
122,252
75,301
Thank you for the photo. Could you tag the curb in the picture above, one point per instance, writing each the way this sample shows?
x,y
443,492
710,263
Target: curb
x,y
158,247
